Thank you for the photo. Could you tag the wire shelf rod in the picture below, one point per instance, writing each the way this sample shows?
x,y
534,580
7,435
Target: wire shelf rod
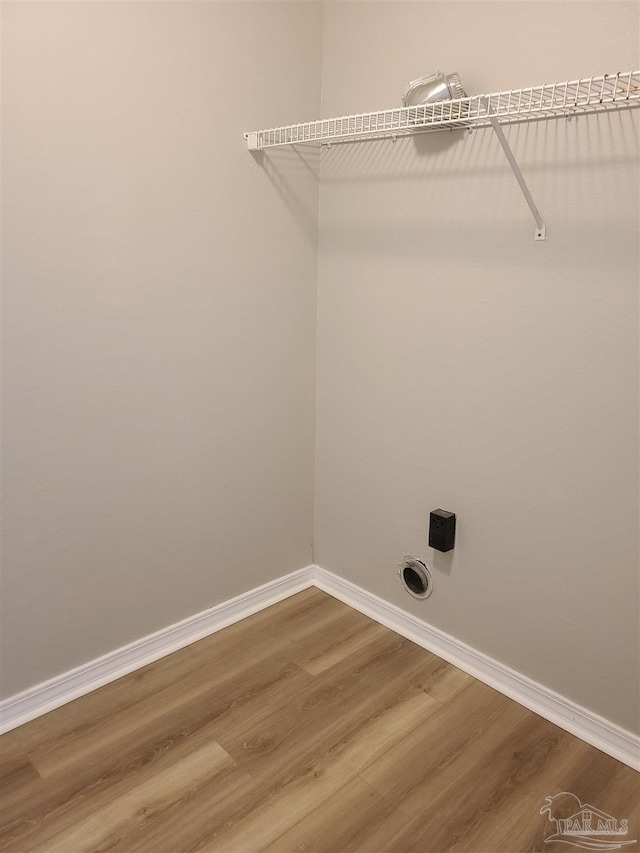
x,y
550,100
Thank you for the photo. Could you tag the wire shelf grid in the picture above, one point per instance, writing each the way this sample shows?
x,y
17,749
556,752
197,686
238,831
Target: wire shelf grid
x,y
587,95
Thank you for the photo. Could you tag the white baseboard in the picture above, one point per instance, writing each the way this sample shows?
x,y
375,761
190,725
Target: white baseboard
x,y
595,730
51,694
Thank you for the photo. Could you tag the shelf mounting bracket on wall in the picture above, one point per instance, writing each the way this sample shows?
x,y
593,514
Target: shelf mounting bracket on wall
x,y
541,231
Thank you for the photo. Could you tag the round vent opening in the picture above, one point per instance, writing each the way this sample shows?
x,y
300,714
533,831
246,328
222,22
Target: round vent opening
x,y
416,578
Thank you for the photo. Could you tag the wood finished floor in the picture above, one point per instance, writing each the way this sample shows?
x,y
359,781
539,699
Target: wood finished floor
x,y
306,727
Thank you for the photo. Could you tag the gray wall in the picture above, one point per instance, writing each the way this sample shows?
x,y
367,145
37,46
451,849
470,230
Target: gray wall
x,y
463,365
159,318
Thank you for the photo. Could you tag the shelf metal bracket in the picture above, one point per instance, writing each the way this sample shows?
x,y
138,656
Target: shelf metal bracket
x,y
541,232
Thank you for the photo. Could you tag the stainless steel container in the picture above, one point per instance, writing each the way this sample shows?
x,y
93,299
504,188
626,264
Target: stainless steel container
x,y
435,87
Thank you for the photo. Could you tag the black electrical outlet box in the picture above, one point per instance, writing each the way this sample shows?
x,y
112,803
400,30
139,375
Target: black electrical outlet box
x,y
442,530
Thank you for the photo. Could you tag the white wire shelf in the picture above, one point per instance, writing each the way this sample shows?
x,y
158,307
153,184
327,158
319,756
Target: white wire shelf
x,y
550,100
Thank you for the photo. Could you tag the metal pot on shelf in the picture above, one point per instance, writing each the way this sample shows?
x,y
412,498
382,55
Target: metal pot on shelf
x,y
433,88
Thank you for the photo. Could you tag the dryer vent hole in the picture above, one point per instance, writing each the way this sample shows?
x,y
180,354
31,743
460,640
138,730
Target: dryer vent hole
x,y
416,578
413,580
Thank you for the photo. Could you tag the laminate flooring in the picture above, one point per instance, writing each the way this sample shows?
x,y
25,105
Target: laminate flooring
x,y
306,727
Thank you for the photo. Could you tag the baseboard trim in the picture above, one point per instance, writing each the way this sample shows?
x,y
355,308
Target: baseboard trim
x,y
77,682
595,730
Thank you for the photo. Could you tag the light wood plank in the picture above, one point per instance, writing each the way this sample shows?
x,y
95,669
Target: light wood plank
x,y
355,818
338,646
156,793
337,764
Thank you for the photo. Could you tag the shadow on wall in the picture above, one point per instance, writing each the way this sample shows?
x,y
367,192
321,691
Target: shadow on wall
x,y
555,145
459,182
442,562
295,166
